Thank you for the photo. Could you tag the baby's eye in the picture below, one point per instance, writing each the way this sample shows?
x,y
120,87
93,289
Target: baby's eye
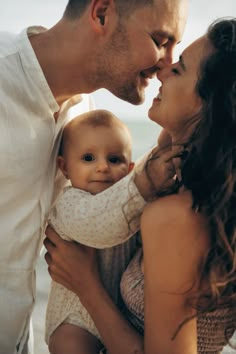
x,y
115,159
88,157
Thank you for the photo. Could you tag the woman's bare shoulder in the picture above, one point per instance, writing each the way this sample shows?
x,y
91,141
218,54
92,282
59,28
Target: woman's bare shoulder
x,y
174,216
175,241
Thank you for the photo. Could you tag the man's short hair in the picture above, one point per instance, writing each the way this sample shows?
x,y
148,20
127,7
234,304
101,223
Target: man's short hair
x,y
75,8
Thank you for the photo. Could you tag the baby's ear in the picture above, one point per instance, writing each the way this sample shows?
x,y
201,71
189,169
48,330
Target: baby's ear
x,y
61,163
131,166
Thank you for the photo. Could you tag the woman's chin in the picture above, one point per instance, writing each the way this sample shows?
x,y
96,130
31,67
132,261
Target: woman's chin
x,y
153,116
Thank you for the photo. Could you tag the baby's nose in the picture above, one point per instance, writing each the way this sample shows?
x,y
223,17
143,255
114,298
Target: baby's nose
x,y
102,166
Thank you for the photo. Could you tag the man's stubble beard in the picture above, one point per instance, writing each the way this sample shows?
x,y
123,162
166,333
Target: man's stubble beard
x,y
113,71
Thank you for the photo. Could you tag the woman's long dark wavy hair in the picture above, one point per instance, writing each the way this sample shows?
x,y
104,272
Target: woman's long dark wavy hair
x,y
209,170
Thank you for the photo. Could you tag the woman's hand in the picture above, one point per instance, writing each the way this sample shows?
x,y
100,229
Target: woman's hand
x,y
71,264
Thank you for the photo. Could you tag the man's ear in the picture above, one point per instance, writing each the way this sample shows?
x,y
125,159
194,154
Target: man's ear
x,y
61,163
131,166
100,12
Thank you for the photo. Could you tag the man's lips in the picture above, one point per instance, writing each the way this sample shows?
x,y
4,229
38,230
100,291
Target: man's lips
x,y
150,73
145,78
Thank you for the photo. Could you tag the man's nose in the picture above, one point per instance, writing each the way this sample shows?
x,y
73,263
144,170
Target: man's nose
x,y
167,57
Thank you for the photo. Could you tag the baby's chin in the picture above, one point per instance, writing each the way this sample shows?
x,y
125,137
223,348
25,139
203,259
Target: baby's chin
x,y
98,187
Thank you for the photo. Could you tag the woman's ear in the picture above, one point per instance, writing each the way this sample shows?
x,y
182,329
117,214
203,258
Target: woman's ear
x,y
61,163
100,13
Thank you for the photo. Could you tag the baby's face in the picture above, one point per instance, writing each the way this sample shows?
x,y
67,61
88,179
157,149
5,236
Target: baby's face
x,y
97,157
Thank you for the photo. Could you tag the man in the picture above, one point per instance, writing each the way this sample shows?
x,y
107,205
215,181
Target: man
x,y
114,44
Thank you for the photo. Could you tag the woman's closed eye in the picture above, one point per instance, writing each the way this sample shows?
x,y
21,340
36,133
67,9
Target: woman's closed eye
x,y
175,71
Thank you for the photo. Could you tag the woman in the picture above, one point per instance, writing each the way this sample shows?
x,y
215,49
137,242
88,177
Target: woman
x,y
183,282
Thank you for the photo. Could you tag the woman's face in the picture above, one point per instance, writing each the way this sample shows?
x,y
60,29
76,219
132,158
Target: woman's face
x,y
177,102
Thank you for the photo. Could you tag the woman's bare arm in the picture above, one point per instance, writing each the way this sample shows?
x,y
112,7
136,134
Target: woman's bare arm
x,y
174,241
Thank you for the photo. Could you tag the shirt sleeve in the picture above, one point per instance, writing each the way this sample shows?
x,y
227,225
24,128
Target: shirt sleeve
x,y
102,220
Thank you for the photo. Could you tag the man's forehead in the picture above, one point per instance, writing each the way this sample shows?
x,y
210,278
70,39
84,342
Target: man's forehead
x,y
170,5
170,18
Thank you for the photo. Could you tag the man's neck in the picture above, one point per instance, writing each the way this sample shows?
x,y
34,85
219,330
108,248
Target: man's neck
x,y
63,66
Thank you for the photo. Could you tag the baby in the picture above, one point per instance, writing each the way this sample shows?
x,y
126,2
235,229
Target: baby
x,y
95,153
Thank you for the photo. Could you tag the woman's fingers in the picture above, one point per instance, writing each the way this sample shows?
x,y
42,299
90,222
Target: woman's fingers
x,y
167,155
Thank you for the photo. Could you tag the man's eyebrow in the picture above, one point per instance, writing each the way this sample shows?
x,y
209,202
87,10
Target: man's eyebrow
x,y
181,61
165,34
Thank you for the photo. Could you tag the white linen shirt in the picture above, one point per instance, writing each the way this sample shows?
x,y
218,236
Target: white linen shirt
x,y
29,139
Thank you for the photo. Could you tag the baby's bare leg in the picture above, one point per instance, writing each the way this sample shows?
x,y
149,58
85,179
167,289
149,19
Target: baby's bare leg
x,y
68,338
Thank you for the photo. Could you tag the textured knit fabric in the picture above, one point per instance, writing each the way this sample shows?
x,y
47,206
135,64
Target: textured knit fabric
x,y
121,207
210,327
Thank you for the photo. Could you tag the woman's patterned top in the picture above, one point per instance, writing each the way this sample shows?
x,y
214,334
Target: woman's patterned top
x,y
211,327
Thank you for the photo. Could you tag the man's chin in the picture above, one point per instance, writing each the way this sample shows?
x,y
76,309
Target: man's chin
x,y
137,98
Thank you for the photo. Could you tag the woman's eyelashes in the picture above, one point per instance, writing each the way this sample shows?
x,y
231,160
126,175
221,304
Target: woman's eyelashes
x,y
175,71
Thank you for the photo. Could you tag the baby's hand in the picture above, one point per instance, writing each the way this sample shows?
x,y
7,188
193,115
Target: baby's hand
x,y
159,173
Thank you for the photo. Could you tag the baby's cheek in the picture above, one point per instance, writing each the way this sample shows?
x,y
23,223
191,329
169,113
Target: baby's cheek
x,y
124,170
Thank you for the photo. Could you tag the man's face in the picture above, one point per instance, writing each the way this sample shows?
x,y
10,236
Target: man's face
x,y
141,44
